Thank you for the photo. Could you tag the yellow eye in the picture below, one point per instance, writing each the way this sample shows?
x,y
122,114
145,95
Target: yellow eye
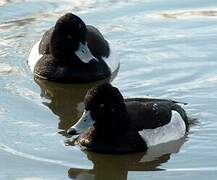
x,y
101,105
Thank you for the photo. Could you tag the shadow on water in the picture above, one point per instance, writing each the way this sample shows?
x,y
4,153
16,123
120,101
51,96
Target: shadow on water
x,y
66,100
116,167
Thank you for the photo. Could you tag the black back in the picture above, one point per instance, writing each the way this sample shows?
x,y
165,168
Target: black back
x,y
150,113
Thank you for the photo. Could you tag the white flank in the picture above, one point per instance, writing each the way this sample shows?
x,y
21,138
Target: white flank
x,y
112,61
34,56
169,132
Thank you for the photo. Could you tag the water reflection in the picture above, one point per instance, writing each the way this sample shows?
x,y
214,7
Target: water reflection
x,y
66,100
116,167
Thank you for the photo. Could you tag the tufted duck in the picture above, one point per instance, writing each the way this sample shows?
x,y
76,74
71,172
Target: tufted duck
x,y
70,52
111,124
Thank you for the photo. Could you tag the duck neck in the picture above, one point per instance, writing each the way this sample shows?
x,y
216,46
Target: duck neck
x,y
113,131
69,60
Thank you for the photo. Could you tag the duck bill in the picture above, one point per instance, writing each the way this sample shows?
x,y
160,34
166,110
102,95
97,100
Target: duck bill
x,y
84,54
83,123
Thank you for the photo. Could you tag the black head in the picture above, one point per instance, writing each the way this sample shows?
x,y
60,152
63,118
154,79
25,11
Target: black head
x,y
68,32
107,108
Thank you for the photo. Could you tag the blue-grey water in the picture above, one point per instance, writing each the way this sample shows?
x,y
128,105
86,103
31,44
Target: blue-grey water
x,y
167,49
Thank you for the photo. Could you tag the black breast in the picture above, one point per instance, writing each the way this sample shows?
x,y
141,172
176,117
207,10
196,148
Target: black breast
x,y
48,68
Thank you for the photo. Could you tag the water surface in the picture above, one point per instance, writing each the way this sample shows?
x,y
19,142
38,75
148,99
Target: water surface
x,y
167,49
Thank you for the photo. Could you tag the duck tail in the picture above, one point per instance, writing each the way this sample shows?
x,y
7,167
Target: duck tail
x,y
178,102
182,113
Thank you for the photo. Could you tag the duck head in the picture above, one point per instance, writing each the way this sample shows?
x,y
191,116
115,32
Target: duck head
x,y
104,109
68,40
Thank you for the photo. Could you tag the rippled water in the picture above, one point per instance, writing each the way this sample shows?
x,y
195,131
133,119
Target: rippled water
x,y
167,49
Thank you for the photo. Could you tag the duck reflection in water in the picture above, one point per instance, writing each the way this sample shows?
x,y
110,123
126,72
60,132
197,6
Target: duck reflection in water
x,y
116,167
65,100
